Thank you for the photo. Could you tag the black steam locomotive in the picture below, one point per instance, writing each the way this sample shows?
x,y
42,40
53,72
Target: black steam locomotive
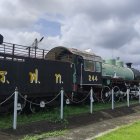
x,y
39,75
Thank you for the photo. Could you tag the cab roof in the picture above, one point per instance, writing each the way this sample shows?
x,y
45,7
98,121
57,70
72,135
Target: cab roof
x,y
53,53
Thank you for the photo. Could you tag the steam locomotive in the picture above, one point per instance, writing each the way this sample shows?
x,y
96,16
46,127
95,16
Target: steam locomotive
x,y
39,75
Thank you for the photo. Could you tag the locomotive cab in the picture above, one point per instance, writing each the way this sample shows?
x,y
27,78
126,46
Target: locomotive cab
x,y
87,67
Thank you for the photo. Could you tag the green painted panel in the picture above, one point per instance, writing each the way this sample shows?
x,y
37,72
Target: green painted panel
x,y
118,71
111,61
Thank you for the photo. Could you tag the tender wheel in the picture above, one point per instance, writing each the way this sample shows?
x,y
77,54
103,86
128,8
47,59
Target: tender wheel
x,y
34,105
37,104
21,104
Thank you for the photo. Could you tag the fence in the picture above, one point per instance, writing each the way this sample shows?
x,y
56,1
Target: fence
x,y
16,94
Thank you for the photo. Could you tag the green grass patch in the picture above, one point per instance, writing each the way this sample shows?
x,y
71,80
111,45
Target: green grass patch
x,y
45,135
6,121
54,114
130,132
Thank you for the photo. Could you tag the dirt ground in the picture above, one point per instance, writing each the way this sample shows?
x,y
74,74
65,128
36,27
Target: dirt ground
x,y
80,127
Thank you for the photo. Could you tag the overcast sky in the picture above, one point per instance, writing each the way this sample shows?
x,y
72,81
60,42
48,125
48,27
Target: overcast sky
x,y
110,28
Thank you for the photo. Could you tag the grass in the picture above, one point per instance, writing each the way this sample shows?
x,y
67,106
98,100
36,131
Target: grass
x,y
45,135
130,132
54,115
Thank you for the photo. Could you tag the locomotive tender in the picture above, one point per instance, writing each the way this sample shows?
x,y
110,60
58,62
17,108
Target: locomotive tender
x,y
39,75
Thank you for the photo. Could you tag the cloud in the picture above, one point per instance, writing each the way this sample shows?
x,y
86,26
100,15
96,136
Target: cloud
x,y
13,15
110,28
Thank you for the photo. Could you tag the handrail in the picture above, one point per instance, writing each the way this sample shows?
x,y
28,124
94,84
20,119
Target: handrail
x,y
16,50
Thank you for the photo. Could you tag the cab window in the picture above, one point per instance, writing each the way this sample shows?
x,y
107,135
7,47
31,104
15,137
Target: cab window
x,y
89,65
98,67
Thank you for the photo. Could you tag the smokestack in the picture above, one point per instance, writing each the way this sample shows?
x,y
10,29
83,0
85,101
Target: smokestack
x,y
129,65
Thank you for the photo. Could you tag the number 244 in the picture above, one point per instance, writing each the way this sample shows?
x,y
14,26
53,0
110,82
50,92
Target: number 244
x,y
93,78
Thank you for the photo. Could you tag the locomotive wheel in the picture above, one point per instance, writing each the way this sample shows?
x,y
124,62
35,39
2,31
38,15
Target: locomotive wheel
x,y
122,96
105,94
132,97
136,93
117,94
